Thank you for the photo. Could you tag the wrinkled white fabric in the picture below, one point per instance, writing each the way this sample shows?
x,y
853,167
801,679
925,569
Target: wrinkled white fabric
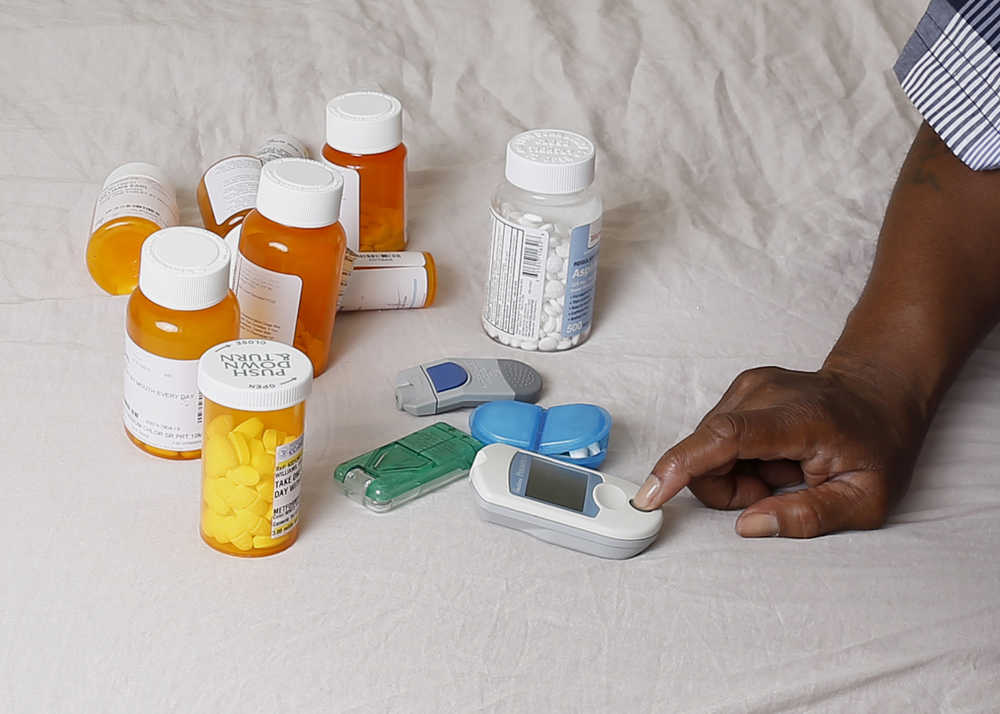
x,y
746,153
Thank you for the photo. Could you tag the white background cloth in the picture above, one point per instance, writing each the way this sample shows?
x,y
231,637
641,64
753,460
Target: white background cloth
x,y
746,153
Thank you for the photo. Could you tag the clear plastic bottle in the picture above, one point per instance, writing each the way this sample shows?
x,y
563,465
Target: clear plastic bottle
x,y
255,409
227,191
291,255
364,141
546,234
182,307
136,200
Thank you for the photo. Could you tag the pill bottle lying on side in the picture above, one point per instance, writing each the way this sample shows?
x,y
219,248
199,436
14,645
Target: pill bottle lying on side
x,y
255,407
546,233
182,307
136,200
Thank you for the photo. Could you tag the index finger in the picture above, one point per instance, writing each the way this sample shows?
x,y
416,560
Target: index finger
x,y
718,442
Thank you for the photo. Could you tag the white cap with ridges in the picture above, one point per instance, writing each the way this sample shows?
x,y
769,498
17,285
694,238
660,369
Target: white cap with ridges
x,y
184,268
301,193
255,375
550,161
364,123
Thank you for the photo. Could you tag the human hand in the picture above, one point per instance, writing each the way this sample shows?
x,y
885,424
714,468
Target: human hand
x,y
850,434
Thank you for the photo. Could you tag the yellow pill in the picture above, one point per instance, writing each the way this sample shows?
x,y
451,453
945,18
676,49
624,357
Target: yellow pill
x,y
266,489
220,426
260,506
213,499
260,459
244,541
240,446
218,456
242,497
247,519
270,514
224,488
243,475
251,428
272,439
214,525
263,528
263,541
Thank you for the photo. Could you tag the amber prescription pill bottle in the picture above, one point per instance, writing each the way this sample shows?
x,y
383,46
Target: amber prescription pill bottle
x,y
255,406
182,307
291,254
364,141
227,191
136,200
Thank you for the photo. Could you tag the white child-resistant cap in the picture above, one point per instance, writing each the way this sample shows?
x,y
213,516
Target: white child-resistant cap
x,y
140,168
300,192
255,375
550,161
184,268
364,123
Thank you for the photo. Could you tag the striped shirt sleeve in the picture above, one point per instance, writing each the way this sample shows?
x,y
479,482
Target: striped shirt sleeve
x,y
950,70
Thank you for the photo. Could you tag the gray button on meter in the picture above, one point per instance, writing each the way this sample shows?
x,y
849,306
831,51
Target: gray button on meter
x,y
435,387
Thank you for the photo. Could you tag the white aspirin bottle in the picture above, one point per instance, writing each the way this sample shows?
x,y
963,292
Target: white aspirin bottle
x,y
546,232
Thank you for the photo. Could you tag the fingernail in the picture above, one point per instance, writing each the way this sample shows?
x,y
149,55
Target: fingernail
x,y
643,500
757,525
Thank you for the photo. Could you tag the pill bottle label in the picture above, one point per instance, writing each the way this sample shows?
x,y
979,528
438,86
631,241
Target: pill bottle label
x,y
350,204
287,484
385,288
514,285
231,185
281,146
269,302
161,404
139,196
581,277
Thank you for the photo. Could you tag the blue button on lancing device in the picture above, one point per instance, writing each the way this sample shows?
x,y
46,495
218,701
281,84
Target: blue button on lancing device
x,y
447,375
575,433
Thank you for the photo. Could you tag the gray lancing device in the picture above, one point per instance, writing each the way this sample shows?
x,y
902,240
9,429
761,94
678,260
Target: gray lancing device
x,y
435,387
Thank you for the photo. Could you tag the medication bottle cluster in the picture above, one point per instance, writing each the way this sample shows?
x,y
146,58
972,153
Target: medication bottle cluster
x,y
228,325
546,233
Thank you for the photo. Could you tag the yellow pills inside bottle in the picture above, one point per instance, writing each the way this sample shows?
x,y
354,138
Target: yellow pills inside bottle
x,y
255,403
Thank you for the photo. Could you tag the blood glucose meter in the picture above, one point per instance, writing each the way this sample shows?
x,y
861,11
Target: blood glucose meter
x,y
561,503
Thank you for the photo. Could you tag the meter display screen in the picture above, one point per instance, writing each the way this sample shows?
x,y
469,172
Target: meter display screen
x,y
558,485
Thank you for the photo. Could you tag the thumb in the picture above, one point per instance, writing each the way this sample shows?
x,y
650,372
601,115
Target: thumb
x,y
844,503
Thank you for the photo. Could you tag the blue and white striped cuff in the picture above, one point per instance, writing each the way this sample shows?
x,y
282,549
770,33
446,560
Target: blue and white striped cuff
x,y
950,69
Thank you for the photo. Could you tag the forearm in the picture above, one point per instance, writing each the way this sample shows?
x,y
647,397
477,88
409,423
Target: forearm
x,y
934,289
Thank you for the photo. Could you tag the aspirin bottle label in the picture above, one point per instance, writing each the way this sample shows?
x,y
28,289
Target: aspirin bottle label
x,y
269,302
135,195
581,278
161,404
515,285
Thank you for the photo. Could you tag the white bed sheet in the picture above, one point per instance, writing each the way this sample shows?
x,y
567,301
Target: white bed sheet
x,y
746,152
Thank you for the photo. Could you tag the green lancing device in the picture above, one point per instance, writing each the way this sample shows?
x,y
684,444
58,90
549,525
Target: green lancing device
x,y
409,467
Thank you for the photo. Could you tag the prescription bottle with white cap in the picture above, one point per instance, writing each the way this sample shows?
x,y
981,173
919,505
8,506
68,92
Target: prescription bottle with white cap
x,y
227,191
291,255
136,200
182,307
255,409
364,141
545,237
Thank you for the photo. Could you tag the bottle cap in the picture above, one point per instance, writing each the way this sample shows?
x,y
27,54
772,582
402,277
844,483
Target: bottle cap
x,y
301,193
141,168
364,123
550,161
184,268
281,146
255,375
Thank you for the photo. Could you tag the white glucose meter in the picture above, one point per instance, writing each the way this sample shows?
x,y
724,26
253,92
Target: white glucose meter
x,y
561,503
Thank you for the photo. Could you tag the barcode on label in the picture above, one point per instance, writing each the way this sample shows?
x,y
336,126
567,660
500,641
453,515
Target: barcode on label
x,y
531,259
